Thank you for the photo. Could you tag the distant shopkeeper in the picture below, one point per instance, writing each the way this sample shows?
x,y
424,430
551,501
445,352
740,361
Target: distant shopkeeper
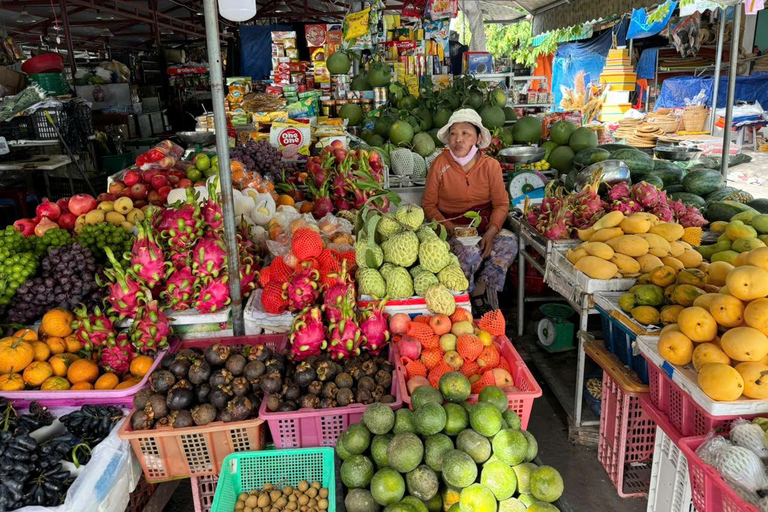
x,y
464,179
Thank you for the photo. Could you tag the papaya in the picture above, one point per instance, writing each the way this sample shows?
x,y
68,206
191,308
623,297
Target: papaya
x,y
649,295
746,216
685,294
747,244
707,251
669,314
737,229
692,276
718,226
663,276
726,256
646,315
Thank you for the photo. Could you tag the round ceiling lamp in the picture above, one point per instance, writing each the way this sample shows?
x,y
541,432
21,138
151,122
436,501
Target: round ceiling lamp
x,y
237,10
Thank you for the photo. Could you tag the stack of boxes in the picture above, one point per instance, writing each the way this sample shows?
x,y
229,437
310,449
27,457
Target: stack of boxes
x,y
620,79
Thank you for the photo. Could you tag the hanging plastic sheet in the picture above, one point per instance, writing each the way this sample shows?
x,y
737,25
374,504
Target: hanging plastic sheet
x,y
254,40
639,27
675,90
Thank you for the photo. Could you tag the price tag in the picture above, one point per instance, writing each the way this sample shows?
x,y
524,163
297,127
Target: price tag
x,y
668,368
4,149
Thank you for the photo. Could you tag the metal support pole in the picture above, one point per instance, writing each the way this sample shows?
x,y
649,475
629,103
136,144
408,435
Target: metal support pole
x,y
225,173
732,65
68,37
718,63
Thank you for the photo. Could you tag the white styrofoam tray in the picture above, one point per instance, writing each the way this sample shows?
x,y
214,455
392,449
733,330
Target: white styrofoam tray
x,y
609,302
559,264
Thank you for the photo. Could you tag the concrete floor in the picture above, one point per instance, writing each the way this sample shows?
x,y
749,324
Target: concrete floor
x,y
752,176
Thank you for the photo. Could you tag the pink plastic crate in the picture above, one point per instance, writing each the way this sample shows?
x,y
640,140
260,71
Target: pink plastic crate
x,y
627,436
682,411
312,428
203,491
520,401
709,490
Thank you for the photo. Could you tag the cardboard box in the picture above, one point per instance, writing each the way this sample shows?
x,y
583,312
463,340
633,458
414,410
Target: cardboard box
x,y
11,80
478,63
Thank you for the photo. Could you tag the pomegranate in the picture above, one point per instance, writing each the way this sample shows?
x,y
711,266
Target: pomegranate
x,y
116,187
104,196
45,225
63,203
131,178
139,191
158,181
48,209
82,204
398,323
67,221
25,226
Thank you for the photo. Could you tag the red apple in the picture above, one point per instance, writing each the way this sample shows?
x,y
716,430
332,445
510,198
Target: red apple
x,y
116,187
153,196
175,172
131,178
200,183
126,192
141,203
173,179
106,197
185,183
139,191
149,174
164,191
48,209
67,221
158,181
82,204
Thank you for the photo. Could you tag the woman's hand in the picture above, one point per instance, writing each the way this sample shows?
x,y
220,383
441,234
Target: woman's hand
x,y
486,243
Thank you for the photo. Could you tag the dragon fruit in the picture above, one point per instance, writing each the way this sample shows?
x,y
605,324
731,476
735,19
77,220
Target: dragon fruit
x,y
182,224
179,289
338,286
213,294
645,194
627,206
302,290
692,218
209,257
117,357
147,259
307,334
557,228
249,277
150,329
345,336
679,208
664,212
125,291
618,191
92,329
211,209
373,323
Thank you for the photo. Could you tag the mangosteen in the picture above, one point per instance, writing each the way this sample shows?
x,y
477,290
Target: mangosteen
x,y
305,374
224,415
364,396
240,386
166,362
330,389
220,377
287,406
261,353
356,372
183,383
199,372
156,407
180,398
217,354
236,364
345,397
161,381
366,383
316,388
275,365
387,366
273,403
344,380
180,367
163,423
240,408
272,383
327,403
219,397
387,399
203,414
141,421
384,378
141,398
290,391
181,419
370,368
327,371
201,392
188,354
254,369
309,401
255,404
377,393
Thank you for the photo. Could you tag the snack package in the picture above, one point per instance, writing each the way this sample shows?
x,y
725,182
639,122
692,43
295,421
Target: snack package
x,y
356,24
163,156
443,9
292,139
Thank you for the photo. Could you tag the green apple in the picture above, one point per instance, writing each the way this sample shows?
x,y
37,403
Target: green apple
x,y
448,342
460,328
202,162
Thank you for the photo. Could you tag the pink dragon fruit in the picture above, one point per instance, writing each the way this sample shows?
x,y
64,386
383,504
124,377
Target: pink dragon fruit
x,y
557,228
150,329
147,259
345,336
307,334
337,287
375,327
627,206
92,329
645,194
663,212
692,218
211,209
125,291
182,224
618,191
179,259
179,289
302,290
209,256
117,357
249,278
213,295
679,208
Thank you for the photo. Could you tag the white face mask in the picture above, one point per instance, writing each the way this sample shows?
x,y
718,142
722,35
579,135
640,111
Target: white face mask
x,y
464,160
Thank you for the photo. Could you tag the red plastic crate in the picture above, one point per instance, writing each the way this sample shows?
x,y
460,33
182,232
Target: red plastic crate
x,y
682,411
709,490
520,401
203,491
627,437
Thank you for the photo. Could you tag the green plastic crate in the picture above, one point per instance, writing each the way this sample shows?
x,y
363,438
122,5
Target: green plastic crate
x,y
246,471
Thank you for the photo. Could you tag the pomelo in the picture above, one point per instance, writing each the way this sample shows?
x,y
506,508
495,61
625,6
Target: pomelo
x,y
581,139
561,132
510,113
561,158
493,117
423,144
549,147
361,83
338,63
499,478
387,486
510,446
527,130
379,74
441,118
546,484
498,97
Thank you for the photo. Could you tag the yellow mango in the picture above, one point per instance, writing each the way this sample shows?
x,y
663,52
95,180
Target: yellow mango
x,y
596,268
631,245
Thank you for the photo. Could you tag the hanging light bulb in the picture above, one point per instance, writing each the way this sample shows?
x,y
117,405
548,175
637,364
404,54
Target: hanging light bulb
x,y
24,18
237,10
105,32
166,31
282,7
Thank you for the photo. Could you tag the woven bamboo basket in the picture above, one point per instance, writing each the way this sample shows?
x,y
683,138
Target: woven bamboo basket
x,y
694,118
669,124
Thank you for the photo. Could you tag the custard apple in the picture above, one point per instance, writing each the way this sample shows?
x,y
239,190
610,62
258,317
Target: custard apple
x,y
425,232
422,281
410,215
402,249
399,283
372,251
386,269
434,254
417,270
439,300
370,282
388,226
454,260
452,277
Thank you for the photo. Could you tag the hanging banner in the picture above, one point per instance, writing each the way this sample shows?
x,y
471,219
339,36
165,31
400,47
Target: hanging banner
x,y
640,27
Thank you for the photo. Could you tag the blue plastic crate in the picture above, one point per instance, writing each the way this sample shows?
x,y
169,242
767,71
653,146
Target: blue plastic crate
x,y
618,340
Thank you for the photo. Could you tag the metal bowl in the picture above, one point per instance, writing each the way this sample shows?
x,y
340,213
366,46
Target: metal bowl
x,y
676,153
522,154
190,138
613,171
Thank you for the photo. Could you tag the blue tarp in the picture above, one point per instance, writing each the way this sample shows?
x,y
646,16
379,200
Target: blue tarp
x,y
646,66
675,90
256,50
639,26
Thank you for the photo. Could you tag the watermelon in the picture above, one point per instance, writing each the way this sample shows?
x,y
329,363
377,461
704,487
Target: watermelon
x,y
669,173
721,194
760,205
688,199
724,210
654,180
674,188
703,182
614,147
639,163
590,156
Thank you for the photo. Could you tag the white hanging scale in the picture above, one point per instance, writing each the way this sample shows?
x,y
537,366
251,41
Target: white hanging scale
x,y
523,183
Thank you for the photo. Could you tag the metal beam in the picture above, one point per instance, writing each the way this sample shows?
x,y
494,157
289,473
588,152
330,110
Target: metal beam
x,y
140,14
68,38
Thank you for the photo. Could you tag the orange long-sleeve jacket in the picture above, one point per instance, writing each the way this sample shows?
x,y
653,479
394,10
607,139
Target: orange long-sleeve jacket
x,y
450,189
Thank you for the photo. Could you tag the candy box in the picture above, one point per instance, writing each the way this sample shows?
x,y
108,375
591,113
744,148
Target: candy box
x,y
292,139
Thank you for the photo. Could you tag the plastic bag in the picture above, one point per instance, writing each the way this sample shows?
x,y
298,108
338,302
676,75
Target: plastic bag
x,y
742,466
264,208
163,156
750,436
331,225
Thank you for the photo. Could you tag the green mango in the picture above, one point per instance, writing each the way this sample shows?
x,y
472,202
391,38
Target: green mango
x,y
707,251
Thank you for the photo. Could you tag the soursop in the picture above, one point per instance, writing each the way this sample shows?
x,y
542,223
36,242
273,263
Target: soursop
x,y
399,283
750,436
419,164
388,227
439,300
422,281
368,255
453,278
741,465
410,215
370,282
386,269
434,254
402,249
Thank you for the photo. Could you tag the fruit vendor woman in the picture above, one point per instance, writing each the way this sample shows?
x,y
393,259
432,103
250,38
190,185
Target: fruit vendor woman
x,y
464,179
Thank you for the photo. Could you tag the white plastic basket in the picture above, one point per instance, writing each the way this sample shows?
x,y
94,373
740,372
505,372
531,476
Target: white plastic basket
x,y
670,489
